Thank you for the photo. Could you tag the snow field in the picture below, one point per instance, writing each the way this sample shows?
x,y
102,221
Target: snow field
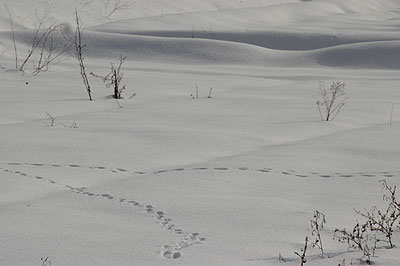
x,y
170,180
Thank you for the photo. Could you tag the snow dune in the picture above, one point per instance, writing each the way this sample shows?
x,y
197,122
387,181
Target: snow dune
x,y
218,37
227,26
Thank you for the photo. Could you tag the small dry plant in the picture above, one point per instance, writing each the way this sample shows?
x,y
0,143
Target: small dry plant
x,y
51,119
358,239
281,258
364,236
317,225
209,93
196,95
45,261
333,100
384,221
114,77
303,251
354,239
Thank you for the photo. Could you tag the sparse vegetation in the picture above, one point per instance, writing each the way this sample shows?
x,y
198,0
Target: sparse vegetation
x,y
196,94
384,221
114,77
358,239
42,43
42,49
317,225
374,226
354,238
333,100
363,236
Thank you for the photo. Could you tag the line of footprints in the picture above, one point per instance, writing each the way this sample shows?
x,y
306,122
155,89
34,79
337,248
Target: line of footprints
x,y
173,250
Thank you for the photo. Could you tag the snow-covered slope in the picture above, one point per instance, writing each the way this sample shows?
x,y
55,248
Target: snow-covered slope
x,y
163,177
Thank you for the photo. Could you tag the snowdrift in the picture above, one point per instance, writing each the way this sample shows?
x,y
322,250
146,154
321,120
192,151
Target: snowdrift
x,y
363,55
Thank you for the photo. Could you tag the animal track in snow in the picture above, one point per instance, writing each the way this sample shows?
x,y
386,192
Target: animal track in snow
x,y
267,170
171,251
200,168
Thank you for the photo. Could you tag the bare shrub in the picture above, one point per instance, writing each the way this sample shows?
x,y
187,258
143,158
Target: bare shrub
x,y
303,251
355,238
42,49
358,239
381,221
48,52
364,236
114,77
317,225
42,43
333,99
79,54
384,221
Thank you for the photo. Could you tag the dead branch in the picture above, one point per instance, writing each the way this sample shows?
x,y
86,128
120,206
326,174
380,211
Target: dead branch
x,y
79,54
303,252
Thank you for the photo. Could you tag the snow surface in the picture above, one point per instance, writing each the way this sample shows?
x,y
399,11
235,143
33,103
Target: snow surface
x,y
170,180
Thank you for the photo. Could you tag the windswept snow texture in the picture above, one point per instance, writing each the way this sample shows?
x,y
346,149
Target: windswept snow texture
x,y
217,154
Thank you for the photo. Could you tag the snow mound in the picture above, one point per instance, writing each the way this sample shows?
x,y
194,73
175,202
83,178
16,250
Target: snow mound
x,y
381,54
367,55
